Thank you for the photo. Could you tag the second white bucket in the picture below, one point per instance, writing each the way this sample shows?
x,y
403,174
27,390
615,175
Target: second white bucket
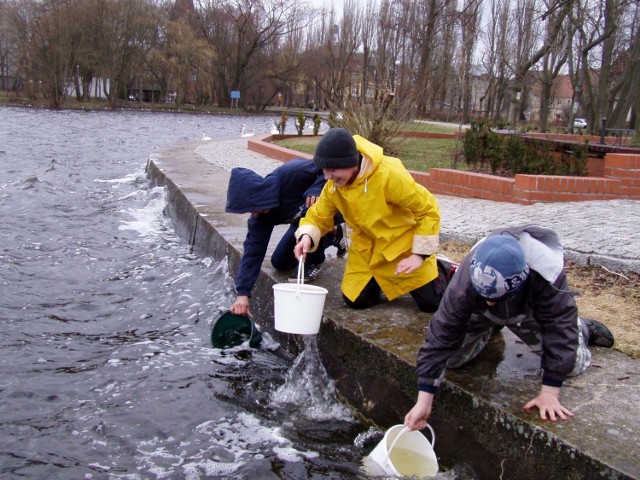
x,y
406,453
298,307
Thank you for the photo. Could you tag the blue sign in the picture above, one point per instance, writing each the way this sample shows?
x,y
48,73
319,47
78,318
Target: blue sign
x,y
235,93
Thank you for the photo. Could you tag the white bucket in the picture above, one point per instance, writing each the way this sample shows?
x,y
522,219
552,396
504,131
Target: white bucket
x,y
298,307
406,453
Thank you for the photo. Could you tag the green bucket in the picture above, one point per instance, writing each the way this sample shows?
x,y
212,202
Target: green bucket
x,y
230,330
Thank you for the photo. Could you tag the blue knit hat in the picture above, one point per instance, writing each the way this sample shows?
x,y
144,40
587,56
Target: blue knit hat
x,y
336,149
498,268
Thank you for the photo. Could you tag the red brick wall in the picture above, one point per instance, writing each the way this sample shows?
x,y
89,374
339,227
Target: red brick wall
x,y
621,179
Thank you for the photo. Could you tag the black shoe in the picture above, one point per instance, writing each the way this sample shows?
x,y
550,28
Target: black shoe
x,y
599,335
311,272
341,239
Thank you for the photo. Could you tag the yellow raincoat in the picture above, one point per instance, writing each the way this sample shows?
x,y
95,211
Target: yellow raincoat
x,y
391,217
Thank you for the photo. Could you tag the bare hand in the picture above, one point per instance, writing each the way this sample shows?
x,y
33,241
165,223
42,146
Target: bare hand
x,y
548,404
409,264
310,200
241,306
302,247
417,417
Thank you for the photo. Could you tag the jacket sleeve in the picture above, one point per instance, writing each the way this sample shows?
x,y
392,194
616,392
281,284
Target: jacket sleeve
x,y
556,311
446,330
318,220
316,188
404,190
254,250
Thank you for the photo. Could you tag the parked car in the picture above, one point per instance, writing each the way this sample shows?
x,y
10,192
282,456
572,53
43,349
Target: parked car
x,y
580,123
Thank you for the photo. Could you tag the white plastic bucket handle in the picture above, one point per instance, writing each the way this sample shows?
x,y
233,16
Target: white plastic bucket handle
x,y
300,279
404,430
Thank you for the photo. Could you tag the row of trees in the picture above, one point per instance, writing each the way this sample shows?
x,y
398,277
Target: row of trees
x,y
432,51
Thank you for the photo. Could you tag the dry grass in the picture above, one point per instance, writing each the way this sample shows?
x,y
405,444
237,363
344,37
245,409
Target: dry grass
x,y
610,297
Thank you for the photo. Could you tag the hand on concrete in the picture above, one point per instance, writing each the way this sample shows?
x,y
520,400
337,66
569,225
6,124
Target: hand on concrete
x,y
241,306
409,264
417,417
302,247
548,404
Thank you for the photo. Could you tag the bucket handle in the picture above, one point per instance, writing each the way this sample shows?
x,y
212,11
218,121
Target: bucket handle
x,y
404,430
300,278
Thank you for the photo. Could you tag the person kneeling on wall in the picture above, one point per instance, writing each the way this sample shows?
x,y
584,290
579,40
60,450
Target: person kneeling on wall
x,y
515,277
395,224
282,197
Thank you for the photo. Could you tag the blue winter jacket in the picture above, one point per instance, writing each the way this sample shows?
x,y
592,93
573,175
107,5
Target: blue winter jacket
x,y
283,192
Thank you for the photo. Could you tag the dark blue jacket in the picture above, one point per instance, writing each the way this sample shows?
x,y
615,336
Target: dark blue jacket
x,y
283,192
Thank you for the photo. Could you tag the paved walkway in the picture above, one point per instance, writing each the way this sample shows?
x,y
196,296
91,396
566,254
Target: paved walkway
x,y
604,233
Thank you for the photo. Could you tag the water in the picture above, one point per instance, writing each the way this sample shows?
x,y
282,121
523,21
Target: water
x,y
410,463
105,365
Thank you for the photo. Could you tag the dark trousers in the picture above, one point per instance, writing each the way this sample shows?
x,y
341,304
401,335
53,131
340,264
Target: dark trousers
x,y
427,297
283,258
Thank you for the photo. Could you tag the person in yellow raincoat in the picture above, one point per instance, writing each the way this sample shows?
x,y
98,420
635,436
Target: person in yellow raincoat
x,y
395,223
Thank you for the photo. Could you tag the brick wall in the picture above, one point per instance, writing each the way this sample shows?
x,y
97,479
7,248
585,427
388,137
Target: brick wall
x,y
620,180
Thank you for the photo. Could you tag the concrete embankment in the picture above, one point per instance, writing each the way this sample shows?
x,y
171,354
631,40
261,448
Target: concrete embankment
x,y
478,416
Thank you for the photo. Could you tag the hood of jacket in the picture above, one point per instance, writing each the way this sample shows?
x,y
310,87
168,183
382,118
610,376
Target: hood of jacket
x,y
249,192
371,157
543,251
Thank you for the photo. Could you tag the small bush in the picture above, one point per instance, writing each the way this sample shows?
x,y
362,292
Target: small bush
x,y
512,154
282,124
300,122
317,122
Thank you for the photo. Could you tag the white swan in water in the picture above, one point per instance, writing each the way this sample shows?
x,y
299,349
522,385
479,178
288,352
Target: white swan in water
x,y
205,138
247,134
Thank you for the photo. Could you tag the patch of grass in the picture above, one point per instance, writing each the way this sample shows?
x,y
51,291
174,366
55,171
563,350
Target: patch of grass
x,y
420,154
300,144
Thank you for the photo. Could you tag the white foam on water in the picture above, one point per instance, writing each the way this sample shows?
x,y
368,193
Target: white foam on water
x,y
148,221
131,178
233,441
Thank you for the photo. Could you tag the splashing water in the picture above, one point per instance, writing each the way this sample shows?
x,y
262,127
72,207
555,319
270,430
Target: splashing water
x,y
308,387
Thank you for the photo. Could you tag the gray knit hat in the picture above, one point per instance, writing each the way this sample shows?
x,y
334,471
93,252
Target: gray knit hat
x,y
336,149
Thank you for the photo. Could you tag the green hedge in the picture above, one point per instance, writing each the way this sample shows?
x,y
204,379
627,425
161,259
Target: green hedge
x,y
485,149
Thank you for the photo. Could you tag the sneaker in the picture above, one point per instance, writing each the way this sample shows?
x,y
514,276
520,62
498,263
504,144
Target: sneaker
x,y
599,334
341,241
311,272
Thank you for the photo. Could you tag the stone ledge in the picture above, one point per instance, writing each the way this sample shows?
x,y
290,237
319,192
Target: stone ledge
x,y
370,354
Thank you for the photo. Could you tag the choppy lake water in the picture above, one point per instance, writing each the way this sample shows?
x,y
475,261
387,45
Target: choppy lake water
x,y
105,365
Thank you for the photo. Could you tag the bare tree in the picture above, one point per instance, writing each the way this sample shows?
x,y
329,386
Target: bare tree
x,y
241,31
48,45
553,61
469,19
495,59
626,70
555,16
124,32
9,47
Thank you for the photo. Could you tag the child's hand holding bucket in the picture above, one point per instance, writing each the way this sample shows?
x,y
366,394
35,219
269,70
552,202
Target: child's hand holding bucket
x,y
302,247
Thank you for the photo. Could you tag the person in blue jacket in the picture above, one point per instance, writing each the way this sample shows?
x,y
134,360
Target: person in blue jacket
x,y
282,197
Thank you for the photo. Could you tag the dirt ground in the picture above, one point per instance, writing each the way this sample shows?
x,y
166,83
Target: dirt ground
x,y
610,297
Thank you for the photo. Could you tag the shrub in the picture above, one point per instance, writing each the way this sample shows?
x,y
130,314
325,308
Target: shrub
x,y
317,122
300,122
282,124
512,154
